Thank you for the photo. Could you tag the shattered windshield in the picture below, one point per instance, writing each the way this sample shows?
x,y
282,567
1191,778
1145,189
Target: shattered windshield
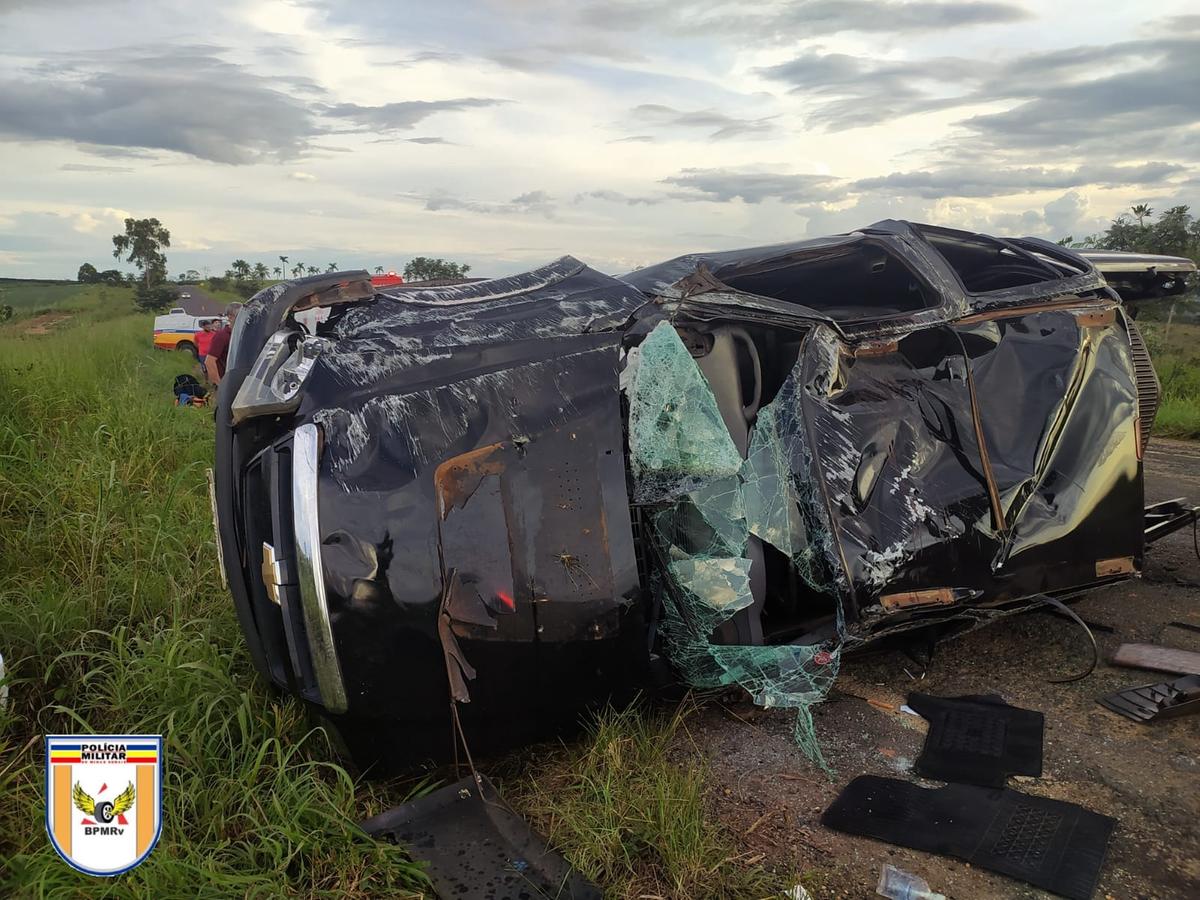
x,y
711,512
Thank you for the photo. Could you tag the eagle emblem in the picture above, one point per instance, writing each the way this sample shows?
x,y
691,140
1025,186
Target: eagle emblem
x,y
103,810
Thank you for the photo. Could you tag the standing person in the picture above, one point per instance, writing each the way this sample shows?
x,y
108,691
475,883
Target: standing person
x,y
218,350
204,339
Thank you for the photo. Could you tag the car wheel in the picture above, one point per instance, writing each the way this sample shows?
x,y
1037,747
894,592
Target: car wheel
x,y
187,347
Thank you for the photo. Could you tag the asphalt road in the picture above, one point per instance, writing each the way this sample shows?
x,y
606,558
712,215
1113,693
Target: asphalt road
x,y
200,303
1146,776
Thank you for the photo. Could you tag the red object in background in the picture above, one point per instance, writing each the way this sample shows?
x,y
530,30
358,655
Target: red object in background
x,y
387,280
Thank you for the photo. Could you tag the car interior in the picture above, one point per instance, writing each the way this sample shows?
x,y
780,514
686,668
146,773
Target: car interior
x,y
846,282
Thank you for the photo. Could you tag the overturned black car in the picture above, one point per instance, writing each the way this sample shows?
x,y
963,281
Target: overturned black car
x,y
534,493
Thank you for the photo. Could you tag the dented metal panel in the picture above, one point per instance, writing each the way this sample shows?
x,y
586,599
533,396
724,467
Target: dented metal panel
x,y
1038,406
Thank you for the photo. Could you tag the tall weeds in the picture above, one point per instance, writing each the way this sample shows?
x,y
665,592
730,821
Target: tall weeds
x,y
113,620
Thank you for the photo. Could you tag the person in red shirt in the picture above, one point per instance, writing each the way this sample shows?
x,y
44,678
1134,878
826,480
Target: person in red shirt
x,y
203,341
218,350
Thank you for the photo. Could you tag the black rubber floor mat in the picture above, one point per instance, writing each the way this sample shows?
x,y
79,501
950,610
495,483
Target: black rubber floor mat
x,y
978,739
475,846
1150,702
1052,845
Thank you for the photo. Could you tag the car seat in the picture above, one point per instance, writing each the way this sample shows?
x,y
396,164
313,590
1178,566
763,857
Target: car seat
x,y
733,370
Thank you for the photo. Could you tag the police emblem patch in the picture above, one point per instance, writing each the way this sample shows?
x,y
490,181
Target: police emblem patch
x,y
104,799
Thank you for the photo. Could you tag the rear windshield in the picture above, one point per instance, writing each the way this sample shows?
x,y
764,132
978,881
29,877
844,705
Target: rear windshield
x,y
984,264
860,281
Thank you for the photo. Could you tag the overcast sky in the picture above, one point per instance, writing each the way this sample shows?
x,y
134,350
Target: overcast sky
x,y
505,133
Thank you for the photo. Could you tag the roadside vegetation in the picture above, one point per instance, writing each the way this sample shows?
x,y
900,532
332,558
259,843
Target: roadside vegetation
x,y
629,806
113,619
1171,326
1175,349
28,297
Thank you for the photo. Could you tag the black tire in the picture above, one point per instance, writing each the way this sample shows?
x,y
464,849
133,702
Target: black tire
x,y
188,347
103,812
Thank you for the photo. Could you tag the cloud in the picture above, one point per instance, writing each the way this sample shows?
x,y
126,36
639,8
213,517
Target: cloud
x,y
724,185
609,196
634,139
554,54
993,181
856,91
1064,214
427,140
302,176
401,115
85,222
407,62
117,152
1135,97
782,21
533,201
81,167
720,125
537,201
191,102
1150,101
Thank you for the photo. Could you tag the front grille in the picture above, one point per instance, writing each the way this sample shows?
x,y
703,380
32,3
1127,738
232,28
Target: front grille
x,y
257,529
637,519
1148,391
268,519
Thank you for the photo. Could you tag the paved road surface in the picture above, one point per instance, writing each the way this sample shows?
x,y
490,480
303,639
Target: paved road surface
x,y
200,303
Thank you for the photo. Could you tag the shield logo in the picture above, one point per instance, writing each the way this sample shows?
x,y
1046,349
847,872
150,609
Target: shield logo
x,y
104,799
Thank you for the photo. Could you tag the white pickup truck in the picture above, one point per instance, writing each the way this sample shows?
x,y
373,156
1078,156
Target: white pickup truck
x,y
177,329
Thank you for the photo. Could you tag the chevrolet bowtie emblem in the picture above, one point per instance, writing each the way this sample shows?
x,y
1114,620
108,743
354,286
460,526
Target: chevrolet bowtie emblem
x,y
272,574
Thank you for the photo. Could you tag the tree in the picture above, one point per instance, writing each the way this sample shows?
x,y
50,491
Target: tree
x,y
298,270
1175,233
1123,234
261,272
282,263
423,268
240,270
142,244
379,270
331,267
278,270
313,270
191,275
1141,212
153,298
88,274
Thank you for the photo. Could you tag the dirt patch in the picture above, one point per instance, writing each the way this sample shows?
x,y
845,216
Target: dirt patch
x,y
1145,776
44,323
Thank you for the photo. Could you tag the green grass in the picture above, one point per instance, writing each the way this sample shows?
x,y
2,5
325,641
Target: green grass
x,y
1178,417
1176,355
113,619
31,296
628,807
225,296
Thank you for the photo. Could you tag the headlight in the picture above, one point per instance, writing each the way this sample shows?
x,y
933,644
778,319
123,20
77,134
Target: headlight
x,y
273,385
